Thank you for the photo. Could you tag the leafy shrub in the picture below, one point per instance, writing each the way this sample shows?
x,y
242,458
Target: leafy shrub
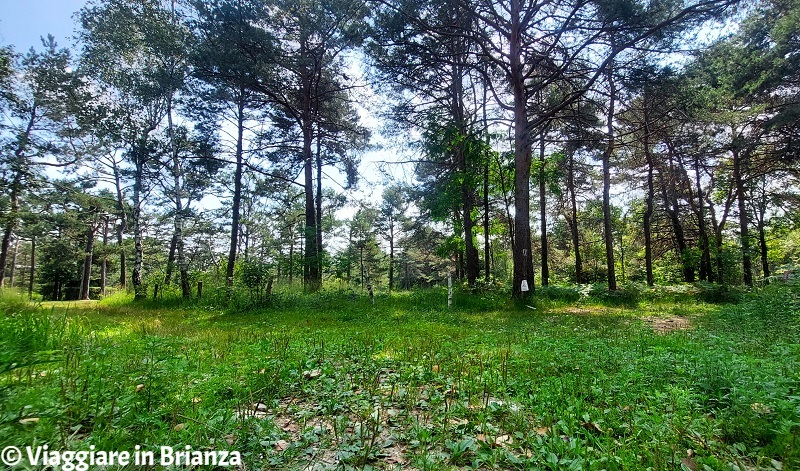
x,y
629,295
717,294
750,423
714,383
567,294
59,271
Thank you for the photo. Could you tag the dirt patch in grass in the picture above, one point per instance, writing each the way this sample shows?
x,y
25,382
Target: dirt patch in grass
x,y
589,310
577,311
665,325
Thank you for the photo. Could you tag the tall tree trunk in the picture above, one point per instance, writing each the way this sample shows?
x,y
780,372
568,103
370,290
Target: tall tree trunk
x,y
291,255
32,274
173,244
762,241
720,259
23,270
649,208
311,274
139,290
183,268
177,241
543,211
470,256
86,278
680,240
349,256
13,263
11,225
470,250
391,254
522,256
487,247
177,172
688,265
647,219
244,239
739,170
319,202
706,273
361,263
237,193
487,272
573,220
609,151
760,204
16,188
123,271
718,226
104,264
506,204
121,227
672,208
622,246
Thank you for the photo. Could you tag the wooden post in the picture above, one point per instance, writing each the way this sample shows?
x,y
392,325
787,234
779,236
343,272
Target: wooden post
x,y
155,292
199,289
371,294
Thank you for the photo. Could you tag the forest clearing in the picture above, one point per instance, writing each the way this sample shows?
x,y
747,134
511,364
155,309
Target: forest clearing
x,y
332,381
400,234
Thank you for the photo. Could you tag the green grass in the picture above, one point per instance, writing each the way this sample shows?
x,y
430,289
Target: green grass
x,y
331,381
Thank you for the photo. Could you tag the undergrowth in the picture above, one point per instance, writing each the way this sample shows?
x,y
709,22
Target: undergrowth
x,y
332,381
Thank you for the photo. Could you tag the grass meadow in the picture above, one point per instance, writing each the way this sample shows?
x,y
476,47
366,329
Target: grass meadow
x,y
572,380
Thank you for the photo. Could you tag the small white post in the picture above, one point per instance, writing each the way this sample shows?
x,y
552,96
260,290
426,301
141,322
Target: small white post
x,y
449,290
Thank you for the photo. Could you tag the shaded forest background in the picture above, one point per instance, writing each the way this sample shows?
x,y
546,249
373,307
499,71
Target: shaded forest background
x,y
568,141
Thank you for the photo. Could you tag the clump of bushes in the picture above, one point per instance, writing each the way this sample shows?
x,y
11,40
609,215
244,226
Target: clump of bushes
x,y
717,294
567,294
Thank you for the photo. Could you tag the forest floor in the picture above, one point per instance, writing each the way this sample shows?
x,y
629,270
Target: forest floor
x,y
332,381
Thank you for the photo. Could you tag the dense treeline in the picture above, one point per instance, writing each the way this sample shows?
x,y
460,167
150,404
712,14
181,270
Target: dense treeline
x,y
568,141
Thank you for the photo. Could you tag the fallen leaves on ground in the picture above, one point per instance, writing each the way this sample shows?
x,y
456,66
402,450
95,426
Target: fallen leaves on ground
x,y
592,427
501,440
311,374
760,408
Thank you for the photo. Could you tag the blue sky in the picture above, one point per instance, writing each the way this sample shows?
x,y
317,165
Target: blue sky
x,y
23,22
